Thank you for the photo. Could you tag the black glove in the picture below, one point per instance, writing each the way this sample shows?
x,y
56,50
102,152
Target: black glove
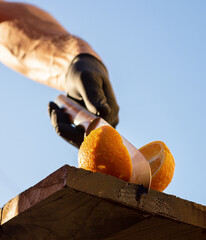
x,y
72,134
88,84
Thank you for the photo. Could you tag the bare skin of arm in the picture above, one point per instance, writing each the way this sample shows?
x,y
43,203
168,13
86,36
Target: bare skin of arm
x,y
33,43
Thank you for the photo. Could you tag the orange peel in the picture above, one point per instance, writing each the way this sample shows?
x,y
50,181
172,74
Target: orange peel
x,y
103,151
161,162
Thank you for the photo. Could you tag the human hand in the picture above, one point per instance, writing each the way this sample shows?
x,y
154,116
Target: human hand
x,y
63,127
88,83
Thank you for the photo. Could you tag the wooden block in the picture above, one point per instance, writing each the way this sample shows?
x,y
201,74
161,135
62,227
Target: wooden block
x,y
70,214
158,228
48,186
73,203
96,184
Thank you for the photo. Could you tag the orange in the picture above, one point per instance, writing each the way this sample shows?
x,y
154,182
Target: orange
x,y
103,151
161,162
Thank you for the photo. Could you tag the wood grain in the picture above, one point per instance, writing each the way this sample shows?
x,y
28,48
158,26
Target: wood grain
x,y
75,204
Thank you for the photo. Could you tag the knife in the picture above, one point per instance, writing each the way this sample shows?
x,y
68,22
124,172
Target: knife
x,y
78,115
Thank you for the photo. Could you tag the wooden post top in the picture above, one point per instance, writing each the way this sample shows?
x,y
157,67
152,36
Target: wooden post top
x,y
73,203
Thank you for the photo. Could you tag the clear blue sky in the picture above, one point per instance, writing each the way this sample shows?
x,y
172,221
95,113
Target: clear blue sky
x,y
155,52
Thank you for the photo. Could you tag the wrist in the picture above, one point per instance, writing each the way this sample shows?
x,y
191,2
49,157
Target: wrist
x,y
86,61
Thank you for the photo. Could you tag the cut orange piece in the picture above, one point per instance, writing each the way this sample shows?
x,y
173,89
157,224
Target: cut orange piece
x,y
103,151
161,162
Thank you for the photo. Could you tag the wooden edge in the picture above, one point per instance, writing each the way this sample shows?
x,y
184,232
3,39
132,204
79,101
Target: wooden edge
x,y
132,195
51,184
174,208
109,188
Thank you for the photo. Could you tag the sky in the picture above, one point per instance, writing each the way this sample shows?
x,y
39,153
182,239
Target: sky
x,y
155,53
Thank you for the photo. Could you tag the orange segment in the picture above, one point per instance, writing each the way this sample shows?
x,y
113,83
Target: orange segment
x,y
103,151
161,162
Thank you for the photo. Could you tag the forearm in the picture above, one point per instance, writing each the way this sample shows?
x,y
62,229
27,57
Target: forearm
x,y
42,53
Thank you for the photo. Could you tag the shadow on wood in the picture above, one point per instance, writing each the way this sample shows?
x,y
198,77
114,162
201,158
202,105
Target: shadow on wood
x,y
75,204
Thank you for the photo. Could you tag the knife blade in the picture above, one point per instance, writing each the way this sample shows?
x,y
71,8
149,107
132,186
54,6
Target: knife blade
x,y
78,115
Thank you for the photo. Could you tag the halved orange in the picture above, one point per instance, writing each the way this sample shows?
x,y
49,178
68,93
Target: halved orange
x,y
103,151
161,162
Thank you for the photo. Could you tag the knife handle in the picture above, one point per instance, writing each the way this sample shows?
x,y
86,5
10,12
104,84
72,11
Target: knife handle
x,y
77,114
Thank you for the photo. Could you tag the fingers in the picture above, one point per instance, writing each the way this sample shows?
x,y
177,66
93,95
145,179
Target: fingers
x,y
99,97
93,94
113,117
88,80
72,134
57,115
52,106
